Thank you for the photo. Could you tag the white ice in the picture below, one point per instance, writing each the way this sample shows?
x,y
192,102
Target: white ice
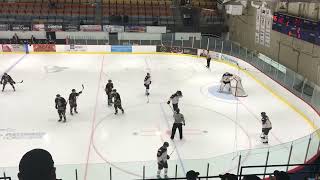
x,y
216,124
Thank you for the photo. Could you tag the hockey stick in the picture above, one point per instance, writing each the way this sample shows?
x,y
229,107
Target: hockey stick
x,y
82,87
19,82
173,150
147,98
171,108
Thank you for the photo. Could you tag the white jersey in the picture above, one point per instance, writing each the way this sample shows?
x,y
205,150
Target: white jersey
x,y
267,123
147,80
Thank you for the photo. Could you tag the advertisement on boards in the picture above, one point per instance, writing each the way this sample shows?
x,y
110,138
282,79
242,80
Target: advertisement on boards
x,y
20,27
135,29
191,51
4,27
12,48
90,28
113,28
44,48
38,27
213,55
70,27
121,48
75,48
169,49
53,27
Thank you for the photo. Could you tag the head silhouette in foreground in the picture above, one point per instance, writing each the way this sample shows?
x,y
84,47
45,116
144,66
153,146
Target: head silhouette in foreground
x,y
37,164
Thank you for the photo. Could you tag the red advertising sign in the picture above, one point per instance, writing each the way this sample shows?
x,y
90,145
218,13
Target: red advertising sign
x,y
7,48
12,48
44,48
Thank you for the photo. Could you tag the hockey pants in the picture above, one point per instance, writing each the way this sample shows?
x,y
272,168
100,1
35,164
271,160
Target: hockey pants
x,y
175,107
4,85
174,128
62,114
116,106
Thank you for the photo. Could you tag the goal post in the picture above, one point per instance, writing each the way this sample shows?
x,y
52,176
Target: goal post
x,y
237,88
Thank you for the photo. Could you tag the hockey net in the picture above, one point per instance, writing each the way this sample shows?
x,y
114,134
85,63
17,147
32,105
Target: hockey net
x,y
237,88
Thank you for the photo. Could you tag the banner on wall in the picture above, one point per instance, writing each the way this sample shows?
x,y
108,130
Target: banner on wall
x,y
70,27
20,27
91,28
121,48
53,27
44,48
264,20
4,27
135,29
38,27
12,48
75,48
113,28
267,36
262,26
257,26
169,49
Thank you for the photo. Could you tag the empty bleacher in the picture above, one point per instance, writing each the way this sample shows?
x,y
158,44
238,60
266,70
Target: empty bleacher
x,y
143,12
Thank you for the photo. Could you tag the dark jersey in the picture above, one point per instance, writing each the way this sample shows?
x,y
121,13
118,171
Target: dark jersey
x,y
73,97
6,78
109,87
60,103
162,154
117,98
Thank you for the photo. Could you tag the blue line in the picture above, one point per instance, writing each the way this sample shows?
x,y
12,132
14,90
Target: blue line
x,y
13,65
179,157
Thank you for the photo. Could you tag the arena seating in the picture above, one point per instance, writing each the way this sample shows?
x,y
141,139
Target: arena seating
x,y
159,12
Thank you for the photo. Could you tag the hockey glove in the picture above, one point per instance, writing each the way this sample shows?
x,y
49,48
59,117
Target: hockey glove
x,y
168,102
168,157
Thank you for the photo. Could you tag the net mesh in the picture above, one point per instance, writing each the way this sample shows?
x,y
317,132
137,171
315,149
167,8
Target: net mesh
x,y
237,88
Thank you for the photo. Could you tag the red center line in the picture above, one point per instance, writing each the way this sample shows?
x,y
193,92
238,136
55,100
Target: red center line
x,y
93,120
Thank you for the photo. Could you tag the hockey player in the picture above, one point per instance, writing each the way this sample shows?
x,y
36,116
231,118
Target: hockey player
x,y
73,101
108,90
175,100
162,158
266,127
147,82
225,80
7,79
178,122
208,59
117,101
61,106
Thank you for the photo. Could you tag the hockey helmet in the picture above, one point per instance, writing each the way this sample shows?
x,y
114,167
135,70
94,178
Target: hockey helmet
x,y
58,95
178,111
73,90
179,93
114,90
166,144
109,80
263,114
5,74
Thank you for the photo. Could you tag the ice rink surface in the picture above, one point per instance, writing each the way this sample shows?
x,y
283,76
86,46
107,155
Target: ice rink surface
x,y
216,123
